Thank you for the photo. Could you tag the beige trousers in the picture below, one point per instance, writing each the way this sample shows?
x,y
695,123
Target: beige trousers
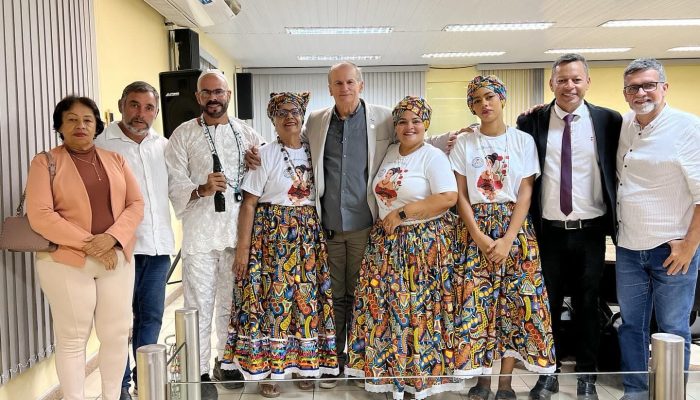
x,y
77,297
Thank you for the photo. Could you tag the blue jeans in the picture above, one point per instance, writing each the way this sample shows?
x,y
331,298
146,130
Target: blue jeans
x,y
642,282
148,303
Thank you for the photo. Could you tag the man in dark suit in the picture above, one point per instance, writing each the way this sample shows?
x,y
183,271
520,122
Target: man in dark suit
x,y
573,208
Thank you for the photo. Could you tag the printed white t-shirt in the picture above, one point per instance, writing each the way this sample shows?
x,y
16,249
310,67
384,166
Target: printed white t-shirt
x,y
273,182
402,180
495,166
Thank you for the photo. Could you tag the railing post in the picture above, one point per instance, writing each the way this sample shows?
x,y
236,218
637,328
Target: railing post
x,y
152,373
187,333
667,380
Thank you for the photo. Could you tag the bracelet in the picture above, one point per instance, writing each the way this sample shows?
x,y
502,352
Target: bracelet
x,y
196,191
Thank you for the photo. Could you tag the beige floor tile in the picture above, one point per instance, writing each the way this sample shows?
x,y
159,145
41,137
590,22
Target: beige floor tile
x,y
351,395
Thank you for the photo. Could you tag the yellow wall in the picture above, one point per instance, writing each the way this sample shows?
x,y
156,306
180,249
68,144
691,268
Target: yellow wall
x,y
445,91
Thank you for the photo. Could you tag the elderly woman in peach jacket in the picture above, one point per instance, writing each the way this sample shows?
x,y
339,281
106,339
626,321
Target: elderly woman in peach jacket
x,y
91,211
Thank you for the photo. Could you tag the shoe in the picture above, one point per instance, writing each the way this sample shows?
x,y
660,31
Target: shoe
x,y
479,393
328,383
208,390
545,387
124,394
585,388
269,390
225,376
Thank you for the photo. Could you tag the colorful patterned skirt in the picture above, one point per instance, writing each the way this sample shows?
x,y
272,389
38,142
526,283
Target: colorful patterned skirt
x,y
402,333
503,310
285,324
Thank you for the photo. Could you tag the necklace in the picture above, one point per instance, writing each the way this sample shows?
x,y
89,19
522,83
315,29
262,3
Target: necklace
x,y
291,168
241,161
93,163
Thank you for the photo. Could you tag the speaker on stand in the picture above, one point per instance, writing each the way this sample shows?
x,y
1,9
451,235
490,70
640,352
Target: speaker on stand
x,y
177,97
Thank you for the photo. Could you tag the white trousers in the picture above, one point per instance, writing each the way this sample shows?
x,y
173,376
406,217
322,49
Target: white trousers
x,y
207,283
77,296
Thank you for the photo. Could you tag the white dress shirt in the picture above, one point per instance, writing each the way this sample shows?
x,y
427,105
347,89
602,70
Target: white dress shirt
x,y
189,161
154,235
658,172
587,189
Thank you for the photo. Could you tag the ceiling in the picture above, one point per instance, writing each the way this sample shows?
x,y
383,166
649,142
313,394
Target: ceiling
x,y
256,37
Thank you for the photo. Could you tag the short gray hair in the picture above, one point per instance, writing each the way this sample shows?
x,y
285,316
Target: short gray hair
x,y
569,58
138,87
358,70
643,64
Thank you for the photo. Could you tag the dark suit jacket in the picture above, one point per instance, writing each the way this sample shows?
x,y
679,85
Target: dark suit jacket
x,y
606,127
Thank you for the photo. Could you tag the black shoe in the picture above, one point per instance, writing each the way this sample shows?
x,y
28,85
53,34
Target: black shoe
x,y
225,376
124,394
545,387
208,389
585,388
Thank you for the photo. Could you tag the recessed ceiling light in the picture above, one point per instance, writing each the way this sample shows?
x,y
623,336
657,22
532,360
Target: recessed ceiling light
x,y
625,23
520,26
338,58
350,30
685,48
601,50
464,54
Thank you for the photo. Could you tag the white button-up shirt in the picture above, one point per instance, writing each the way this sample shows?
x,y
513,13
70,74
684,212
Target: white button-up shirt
x,y
587,189
154,235
189,161
658,173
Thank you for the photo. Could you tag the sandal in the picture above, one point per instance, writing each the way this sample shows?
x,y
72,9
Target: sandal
x,y
269,390
479,393
305,384
505,394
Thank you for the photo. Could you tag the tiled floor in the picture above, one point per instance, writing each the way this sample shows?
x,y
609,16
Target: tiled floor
x,y
609,386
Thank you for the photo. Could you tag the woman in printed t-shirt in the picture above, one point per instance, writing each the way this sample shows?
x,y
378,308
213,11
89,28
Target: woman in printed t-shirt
x,y
403,312
285,326
502,301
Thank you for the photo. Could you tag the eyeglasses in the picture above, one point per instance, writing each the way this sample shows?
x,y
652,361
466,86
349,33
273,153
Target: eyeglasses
x,y
282,113
646,87
209,93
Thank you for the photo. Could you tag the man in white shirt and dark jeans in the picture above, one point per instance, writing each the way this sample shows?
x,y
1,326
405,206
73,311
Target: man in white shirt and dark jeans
x,y
144,149
658,193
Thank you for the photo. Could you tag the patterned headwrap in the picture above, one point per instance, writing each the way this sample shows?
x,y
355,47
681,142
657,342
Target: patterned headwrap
x,y
300,100
416,105
492,82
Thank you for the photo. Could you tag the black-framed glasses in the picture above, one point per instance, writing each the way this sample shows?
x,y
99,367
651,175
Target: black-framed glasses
x,y
646,87
282,113
209,93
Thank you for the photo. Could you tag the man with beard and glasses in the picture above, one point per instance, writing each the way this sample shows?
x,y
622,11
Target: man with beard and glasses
x,y
144,150
658,193
209,237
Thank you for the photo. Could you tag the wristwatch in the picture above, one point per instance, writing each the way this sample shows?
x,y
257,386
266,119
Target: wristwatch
x,y
402,214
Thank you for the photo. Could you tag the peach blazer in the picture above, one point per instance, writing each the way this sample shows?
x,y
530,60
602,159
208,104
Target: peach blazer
x,y
64,216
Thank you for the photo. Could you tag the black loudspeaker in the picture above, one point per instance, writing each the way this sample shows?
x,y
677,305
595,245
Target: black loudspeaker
x,y
244,95
187,48
178,102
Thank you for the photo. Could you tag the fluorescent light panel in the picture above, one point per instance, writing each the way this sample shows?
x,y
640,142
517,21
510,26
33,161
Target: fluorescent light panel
x,y
349,30
464,54
626,23
338,58
601,50
519,26
685,48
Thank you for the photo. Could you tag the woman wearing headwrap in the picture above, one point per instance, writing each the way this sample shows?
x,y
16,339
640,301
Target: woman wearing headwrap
x,y
285,326
503,307
403,312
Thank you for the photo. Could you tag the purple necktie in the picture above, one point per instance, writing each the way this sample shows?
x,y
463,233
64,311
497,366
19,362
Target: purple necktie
x,y
565,184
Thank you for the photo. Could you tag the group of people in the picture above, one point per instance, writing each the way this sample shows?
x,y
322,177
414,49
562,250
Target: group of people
x,y
355,245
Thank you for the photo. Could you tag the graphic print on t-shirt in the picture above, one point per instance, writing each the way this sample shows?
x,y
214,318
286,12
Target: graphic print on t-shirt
x,y
491,178
302,183
390,183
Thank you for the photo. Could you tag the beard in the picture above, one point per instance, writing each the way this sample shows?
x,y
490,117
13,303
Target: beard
x,y
645,108
137,131
217,114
